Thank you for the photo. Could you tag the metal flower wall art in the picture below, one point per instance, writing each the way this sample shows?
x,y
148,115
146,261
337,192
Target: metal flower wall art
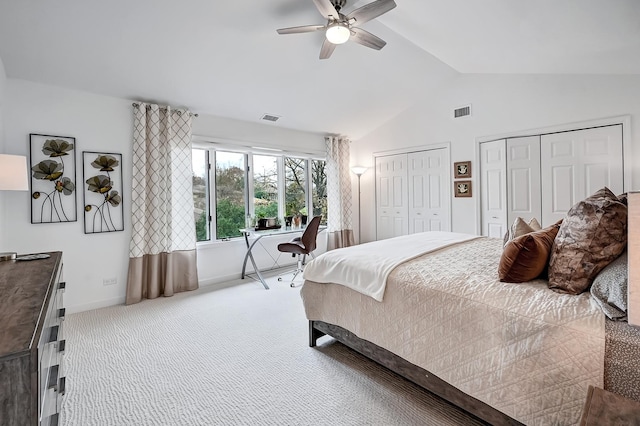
x,y
103,210
53,175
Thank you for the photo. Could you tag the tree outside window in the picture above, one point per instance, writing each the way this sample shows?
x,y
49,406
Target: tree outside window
x,y
200,161
319,189
265,186
295,186
230,190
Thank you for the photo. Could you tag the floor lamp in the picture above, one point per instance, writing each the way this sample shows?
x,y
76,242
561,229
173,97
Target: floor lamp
x,y
359,171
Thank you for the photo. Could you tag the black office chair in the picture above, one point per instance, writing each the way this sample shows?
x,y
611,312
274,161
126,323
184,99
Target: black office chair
x,y
302,246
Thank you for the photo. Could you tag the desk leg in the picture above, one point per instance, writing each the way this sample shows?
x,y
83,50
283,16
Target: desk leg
x,y
246,256
249,255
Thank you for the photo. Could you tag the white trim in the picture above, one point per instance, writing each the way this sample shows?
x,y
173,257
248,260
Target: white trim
x,y
625,120
200,141
411,149
74,309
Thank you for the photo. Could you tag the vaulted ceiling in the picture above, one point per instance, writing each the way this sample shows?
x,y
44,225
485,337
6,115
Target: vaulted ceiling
x,y
225,58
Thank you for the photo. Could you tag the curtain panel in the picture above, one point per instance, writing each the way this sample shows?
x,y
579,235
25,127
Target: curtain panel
x,y
339,202
162,252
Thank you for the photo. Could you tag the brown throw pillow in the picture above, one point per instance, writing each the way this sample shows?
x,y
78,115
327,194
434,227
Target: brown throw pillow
x,y
525,258
592,235
520,227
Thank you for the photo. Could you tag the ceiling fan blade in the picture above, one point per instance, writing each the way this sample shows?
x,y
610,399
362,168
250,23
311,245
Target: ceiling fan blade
x,y
365,38
327,9
302,29
371,11
327,49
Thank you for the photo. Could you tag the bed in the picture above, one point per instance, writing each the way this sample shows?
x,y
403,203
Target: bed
x,y
507,353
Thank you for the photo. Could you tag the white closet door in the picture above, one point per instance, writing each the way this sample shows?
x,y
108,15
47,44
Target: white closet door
x,y
493,190
523,179
429,191
576,164
391,196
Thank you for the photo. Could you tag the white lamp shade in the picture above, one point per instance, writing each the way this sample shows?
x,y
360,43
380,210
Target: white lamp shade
x,y
13,173
359,170
338,34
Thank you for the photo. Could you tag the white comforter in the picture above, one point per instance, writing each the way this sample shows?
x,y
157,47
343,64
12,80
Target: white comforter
x,y
365,268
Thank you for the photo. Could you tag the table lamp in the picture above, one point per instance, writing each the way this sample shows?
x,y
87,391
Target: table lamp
x,y
13,177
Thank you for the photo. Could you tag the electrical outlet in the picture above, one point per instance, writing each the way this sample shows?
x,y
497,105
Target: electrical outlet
x,y
109,281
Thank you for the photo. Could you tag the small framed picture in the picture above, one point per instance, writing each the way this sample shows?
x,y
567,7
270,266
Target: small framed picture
x,y
462,169
462,188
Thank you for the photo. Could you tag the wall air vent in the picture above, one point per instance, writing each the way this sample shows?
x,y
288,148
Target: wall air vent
x,y
270,117
462,111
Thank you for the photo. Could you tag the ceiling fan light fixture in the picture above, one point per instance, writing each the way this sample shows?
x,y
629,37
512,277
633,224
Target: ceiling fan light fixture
x,y
338,33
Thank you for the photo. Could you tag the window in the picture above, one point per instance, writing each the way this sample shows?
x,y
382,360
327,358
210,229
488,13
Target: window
x,y
295,197
265,186
319,189
200,162
244,187
230,194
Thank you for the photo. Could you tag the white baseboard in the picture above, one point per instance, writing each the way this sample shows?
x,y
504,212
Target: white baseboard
x,y
95,305
218,282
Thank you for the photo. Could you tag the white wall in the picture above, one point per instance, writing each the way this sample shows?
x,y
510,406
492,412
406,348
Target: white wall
x,y
104,124
500,104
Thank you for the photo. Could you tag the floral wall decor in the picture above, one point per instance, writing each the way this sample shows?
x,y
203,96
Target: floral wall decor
x,y
102,177
53,177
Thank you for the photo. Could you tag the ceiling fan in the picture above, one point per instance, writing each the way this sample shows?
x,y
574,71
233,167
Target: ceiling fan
x,y
341,28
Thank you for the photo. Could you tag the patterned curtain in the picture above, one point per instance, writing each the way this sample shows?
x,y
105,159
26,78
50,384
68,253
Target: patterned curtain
x,y
339,228
162,253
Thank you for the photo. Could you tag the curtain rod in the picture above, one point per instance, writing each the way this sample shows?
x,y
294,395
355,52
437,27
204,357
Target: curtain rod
x,y
135,104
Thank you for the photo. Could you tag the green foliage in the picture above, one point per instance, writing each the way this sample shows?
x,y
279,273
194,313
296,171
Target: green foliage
x,y
229,218
201,227
269,210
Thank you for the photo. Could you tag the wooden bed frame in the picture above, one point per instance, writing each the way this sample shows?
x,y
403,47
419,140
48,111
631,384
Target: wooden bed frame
x,y
409,371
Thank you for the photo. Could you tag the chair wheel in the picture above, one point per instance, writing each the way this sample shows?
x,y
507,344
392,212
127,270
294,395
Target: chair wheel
x,y
292,285
279,278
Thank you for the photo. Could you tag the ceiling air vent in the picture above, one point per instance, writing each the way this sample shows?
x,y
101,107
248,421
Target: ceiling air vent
x,y
269,117
462,111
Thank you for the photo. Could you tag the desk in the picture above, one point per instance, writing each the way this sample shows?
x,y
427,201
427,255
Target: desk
x,y
259,234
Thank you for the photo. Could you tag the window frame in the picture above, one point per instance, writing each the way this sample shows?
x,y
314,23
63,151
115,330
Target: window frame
x,y
248,152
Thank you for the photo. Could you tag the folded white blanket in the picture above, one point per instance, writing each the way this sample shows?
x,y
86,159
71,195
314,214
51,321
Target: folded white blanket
x,y
365,267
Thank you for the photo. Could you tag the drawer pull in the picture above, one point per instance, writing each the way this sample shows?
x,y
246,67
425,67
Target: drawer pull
x,y
61,345
53,378
63,384
62,312
53,335
62,286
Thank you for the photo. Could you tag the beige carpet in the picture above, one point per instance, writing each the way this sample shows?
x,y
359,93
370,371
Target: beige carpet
x,y
234,356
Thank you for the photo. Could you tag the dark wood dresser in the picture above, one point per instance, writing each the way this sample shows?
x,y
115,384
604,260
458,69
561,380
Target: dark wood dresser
x,y
31,341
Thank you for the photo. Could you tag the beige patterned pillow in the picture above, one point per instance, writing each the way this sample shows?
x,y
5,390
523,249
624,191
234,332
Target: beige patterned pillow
x,y
520,228
591,236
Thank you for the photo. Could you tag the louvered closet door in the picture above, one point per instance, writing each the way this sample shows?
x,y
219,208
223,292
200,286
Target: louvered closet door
x,y
524,197
391,196
429,191
576,164
493,188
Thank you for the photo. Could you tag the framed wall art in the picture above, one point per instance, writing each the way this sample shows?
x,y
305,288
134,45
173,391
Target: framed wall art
x,y
102,190
53,178
462,188
462,169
